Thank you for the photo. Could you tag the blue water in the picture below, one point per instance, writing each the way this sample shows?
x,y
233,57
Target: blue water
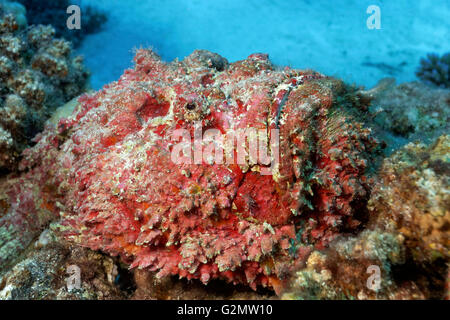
x,y
329,36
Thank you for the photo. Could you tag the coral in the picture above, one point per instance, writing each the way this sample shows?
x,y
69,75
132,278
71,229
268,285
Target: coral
x,y
54,13
435,70
16,9
409,111
407,235
113,181
37,74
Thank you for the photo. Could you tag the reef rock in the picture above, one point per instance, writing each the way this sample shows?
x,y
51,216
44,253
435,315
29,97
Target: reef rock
x,y
410,111
37,74
109,172
406,239
413,197
343,270
48,270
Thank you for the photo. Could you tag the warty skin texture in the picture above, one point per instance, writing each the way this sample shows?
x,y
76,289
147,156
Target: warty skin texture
x,y
113,183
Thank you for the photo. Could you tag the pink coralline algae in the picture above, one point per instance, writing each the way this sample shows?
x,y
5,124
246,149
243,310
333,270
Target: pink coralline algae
x,y
109,174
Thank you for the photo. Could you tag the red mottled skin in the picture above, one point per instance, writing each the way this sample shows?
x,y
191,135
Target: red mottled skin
x,y
118,190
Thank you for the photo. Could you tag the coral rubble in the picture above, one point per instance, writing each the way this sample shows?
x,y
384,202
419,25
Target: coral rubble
x,y
37,74
107,169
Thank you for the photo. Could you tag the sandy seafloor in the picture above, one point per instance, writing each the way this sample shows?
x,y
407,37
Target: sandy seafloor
x,y
329,36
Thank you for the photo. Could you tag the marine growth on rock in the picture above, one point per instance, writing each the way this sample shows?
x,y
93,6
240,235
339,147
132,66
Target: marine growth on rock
x,y
408,112
406,237
108,170
37,74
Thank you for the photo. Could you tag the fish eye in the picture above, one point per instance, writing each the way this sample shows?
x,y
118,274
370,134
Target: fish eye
x,y
190,106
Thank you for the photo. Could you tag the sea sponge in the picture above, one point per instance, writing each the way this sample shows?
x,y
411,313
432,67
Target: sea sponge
x,y
37,74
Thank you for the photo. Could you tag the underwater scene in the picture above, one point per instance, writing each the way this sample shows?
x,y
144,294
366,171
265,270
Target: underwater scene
x,y
224,150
